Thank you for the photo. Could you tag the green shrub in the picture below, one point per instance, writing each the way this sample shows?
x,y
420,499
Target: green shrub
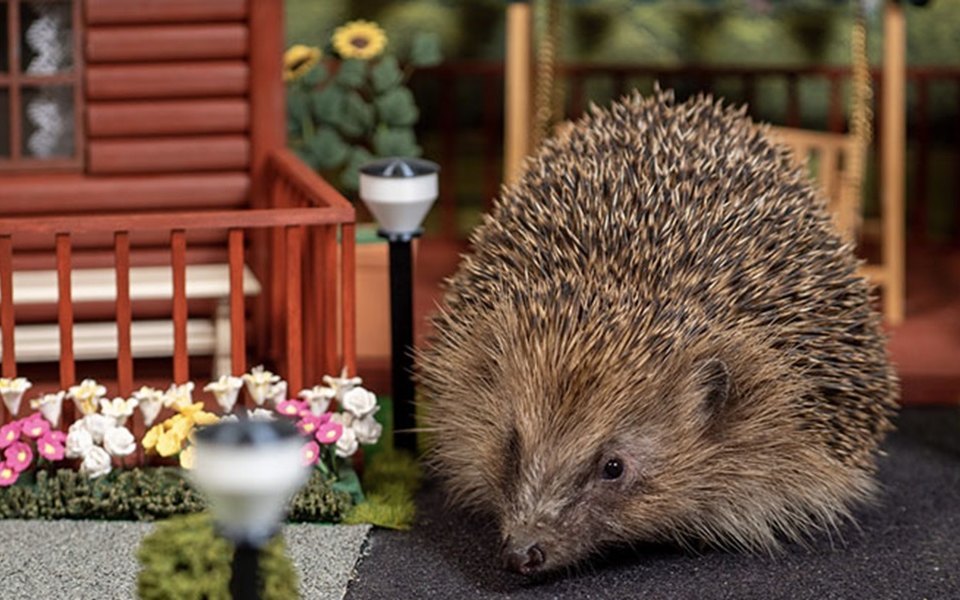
x,y
143,495
184,559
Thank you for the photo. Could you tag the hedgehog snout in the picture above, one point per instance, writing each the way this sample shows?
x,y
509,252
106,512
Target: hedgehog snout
x,y
523,556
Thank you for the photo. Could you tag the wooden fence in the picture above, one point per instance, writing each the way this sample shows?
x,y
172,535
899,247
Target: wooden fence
x,y
461,99
301,246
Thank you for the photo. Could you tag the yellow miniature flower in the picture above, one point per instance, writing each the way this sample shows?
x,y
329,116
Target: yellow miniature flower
x,y
205,418
298,60
169,443
359,39
151,437
186,458
188,410
179,426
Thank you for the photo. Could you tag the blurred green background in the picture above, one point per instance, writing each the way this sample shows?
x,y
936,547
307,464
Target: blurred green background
x,y
742,33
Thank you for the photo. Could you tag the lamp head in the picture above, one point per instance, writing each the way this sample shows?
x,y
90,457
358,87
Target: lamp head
x,y
248,470
399,192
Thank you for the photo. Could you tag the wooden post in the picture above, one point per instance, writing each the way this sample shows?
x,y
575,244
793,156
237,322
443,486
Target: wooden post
x,y
893,151
65,311
238,321
348,299
517,92
7,319
294,309
178,264
121,253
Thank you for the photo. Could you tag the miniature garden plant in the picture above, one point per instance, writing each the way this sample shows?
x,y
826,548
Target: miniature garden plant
x,y
98,442
355,106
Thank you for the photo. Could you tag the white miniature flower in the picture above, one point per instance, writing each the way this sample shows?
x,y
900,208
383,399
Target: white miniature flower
x,y
259,381
118,441
50,406
12,391
347,444
360,402
87,395
261,414
179,396
79,441
318,397
343,384
96,463
231,418
277,392
119,408
150,400
367,430
225,390
96,425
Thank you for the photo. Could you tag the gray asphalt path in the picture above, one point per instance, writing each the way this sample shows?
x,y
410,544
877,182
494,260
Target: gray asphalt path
x,y
908,546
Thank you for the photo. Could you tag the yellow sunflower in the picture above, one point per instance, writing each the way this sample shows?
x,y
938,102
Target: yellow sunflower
x,y
359,39
299,59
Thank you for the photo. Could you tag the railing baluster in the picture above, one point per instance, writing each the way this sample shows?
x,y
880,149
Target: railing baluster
x,y
238,342
294,274
348,293
310,296
282,195
835,116
330,307
492,145
121,252
919,208
178,263
793,101
448,142
319,308
7,318
65,312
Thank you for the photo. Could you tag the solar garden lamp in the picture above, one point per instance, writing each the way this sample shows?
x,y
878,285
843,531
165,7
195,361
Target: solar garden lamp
x,y
248,470
399,192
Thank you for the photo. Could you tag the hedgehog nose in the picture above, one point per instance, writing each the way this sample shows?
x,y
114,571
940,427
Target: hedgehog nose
x,y
523,559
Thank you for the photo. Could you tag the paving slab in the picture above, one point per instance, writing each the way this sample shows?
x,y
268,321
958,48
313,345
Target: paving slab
x,y
96,560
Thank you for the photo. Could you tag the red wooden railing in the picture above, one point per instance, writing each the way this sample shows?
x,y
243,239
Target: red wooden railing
x,y
453,127
310,288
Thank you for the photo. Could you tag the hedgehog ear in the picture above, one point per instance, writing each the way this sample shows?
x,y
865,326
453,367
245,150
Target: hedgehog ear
x,y
713,378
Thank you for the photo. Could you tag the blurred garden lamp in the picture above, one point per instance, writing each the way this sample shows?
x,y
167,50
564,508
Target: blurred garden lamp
x,y
399,192
248,470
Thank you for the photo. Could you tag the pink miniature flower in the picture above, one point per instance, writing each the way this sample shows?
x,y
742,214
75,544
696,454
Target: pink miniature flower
x,y
310,454
291,408
309,424
329,432
8,475
9,434
34,426
50,446
19,456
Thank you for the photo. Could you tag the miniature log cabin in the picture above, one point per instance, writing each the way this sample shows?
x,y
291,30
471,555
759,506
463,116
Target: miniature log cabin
x,y
148,207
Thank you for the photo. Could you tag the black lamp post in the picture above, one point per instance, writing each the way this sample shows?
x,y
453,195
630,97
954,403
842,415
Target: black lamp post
x,y
248,470
399,192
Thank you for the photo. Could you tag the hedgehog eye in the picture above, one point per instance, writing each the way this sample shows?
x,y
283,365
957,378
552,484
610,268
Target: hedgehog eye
x,y
613,469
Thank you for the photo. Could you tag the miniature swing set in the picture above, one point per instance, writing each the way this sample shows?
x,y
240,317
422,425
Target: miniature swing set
x,y
838,159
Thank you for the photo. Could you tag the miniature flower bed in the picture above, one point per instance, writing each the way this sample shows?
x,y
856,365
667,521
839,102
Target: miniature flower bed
x,y
90,470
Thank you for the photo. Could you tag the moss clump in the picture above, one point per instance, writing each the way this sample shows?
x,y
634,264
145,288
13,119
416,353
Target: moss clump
x,y
391,480
143,495
185,559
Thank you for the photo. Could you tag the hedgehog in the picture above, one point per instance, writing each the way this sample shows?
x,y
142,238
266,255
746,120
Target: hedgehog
x,y
658,335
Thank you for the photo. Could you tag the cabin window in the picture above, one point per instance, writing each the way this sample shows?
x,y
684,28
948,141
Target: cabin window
x,y
40,96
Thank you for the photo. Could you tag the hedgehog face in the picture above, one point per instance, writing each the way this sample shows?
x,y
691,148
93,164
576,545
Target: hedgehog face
x,y
570,489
